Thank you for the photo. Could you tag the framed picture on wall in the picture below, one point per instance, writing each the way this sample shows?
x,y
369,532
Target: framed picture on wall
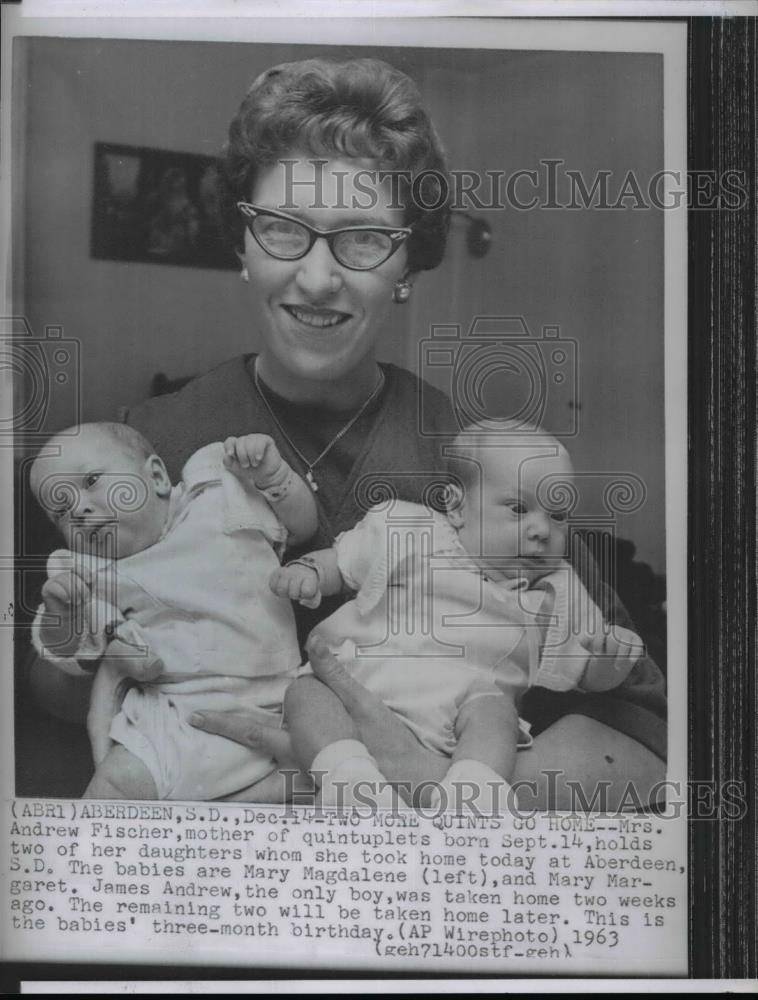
x,y
157,206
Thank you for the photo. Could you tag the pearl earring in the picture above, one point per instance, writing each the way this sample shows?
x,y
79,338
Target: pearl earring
x,y
244,276
401,292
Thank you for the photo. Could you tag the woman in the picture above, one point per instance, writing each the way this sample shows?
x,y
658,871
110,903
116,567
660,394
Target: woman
x,y
318,197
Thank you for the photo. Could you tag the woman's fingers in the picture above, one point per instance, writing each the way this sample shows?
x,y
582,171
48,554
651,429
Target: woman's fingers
x,y
397,752
330,671
247,729
276,787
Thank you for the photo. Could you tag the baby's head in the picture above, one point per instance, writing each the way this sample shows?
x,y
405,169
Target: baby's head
x,y
511,474
105,489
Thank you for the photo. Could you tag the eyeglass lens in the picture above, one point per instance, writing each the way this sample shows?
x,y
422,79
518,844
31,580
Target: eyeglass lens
x,y
285,238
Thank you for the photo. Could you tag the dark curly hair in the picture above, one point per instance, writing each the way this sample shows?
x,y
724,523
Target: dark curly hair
x,y
359,108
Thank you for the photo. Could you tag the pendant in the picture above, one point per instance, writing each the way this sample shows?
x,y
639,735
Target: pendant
x,y
311,481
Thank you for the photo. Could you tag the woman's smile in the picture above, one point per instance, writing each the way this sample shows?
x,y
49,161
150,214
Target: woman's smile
x,y
316,318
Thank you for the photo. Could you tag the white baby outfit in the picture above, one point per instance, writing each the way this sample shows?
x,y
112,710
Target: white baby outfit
x,y
199,599
428,631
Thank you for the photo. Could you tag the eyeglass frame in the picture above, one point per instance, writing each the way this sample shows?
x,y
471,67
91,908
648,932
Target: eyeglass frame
x,y
398,235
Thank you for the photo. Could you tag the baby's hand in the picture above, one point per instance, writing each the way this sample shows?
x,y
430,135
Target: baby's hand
x,y
612,657
63,591
256,452
297,582
63,596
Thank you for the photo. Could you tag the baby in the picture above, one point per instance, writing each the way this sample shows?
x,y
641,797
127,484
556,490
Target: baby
x,y
454,617
168,587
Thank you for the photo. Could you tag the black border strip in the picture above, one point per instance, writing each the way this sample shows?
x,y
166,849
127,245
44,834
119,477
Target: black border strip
x,y
722,91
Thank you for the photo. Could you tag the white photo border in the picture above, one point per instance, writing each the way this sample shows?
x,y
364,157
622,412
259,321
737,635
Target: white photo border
x,y
666,38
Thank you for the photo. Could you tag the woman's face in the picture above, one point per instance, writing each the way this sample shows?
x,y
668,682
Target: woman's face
x,y
319,321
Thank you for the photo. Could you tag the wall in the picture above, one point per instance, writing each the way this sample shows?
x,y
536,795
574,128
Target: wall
x,y
596,275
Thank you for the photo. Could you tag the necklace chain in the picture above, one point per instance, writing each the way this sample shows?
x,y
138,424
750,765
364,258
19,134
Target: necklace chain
x,y
310,466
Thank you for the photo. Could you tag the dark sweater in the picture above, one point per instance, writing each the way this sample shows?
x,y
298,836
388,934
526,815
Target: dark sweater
x,y
394,449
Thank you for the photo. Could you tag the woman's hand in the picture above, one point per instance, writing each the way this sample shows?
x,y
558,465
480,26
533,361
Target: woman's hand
x,y
257,730
398,754
250,728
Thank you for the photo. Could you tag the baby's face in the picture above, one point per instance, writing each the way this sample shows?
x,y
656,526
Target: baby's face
x,y
103,499
505,518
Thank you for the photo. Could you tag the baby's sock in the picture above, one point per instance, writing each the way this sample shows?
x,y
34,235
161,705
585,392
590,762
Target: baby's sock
x,y
471,786
348,776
